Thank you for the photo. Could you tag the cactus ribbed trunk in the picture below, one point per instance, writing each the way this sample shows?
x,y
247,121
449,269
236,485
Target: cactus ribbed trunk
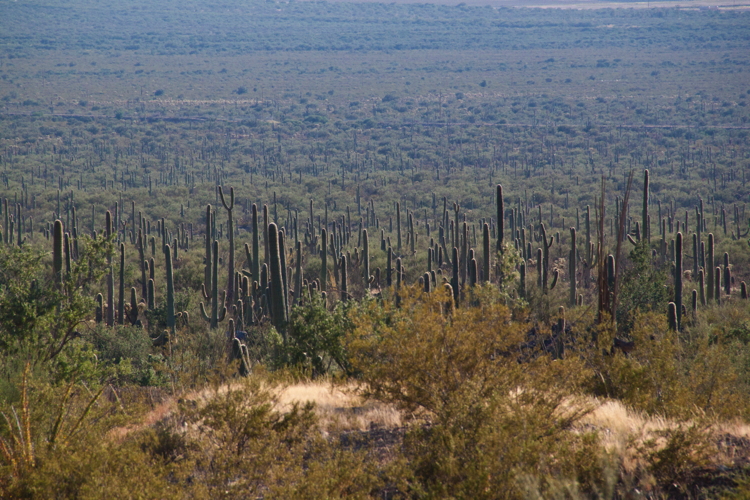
x,y
230,229
454,280
344,280
110,298
57,251
572,269
500,217
121,297
678,279
323,259
645,224
278,307
255,264
398,227
365,260
486,257
170,289
710,262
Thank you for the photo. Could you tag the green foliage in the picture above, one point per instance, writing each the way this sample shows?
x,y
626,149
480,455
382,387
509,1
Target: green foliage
x,y
128,353
643,287
673,374
315,338
37,318
492,419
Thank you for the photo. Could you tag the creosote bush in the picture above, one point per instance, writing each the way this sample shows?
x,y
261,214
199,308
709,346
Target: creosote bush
x,y
485,419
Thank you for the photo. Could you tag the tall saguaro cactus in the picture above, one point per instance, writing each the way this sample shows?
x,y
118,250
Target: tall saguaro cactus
x,y
121,295
230,229
215,317
500,217
487,264
678,278
710,262
323,259
573,258
365,259
645,222
255,264
170,289
57,251
278,293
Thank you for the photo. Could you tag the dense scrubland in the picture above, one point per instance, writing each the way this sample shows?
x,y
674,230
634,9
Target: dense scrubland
x,y
315,250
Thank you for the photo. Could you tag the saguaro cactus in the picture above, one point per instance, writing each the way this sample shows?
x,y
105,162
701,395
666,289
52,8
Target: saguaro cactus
x,y
678,279
323,259
573,257
57,251
454,280
500,217
546,244
365,260
230,229
121,297
710,262
672,315
170,289
645,224
216,317
344,280
278,293
727,275
255,264
487,264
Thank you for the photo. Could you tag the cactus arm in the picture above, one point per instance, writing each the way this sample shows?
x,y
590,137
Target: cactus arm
x,y
204,313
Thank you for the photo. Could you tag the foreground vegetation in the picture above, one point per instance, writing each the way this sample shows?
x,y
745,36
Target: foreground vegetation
x,y
516,247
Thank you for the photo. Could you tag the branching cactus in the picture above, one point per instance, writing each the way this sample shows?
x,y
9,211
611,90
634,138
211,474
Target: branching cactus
x,y
208,240
216,317
230,229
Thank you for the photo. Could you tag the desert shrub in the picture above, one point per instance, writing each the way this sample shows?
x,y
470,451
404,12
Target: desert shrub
x,y
643,288
488,418
53,445
670,373
314,338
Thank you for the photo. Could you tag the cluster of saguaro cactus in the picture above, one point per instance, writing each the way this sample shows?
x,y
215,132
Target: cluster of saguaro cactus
x,y
266,288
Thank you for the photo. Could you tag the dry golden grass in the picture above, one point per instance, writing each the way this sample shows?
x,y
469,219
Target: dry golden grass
x,y
340,408
625,434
